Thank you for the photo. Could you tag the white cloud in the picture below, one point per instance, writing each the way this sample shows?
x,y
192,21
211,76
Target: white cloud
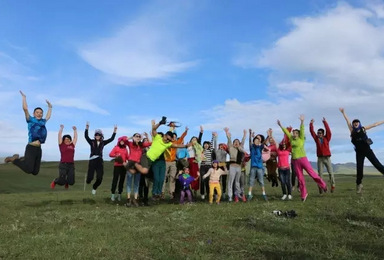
x,y
81,104
330,60
149,47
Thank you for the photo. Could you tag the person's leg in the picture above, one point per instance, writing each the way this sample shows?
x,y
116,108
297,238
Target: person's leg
x,y
328,165
375,162
136,183
231,179
122,174
27,163
71,174
242,182
218,189
129,184
115,178
91,171
288,181
166,175
172,179
182,195
211,190
273,174
237,182
99,173
360,156
203,182
293,175
37,162
252,177
300,177
260,179
189,194
283,180
308,168
320,165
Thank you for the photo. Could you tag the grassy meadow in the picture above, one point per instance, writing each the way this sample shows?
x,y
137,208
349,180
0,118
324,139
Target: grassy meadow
x,y
39,223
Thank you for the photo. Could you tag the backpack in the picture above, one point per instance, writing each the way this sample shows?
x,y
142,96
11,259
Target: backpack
x,y
266,153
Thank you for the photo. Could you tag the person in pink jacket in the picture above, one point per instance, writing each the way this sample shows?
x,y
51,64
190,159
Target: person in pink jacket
x,y
120,153
136,147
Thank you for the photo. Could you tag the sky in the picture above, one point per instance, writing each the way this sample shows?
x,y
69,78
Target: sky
x,y
238,64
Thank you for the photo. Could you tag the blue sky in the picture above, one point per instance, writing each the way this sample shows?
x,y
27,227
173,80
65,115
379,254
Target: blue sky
x,y
241,64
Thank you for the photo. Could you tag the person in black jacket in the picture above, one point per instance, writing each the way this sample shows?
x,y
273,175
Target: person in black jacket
x,y
362,144
96,162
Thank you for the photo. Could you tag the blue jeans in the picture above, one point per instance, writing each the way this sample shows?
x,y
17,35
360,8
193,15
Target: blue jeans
x,y
285,178
256,172
136,182
158,169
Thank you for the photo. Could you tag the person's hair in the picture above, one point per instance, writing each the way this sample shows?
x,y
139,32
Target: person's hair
x,y
170,134
355,121
321,130
192,138
37,108
66,136
296,130
261,137
174,134
206,142
235,140
281,146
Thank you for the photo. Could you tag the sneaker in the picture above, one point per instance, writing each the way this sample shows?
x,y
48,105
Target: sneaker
x,y
218,203
93,192
289,197
66,186
163,120
11,158
243,198
284,197
128,204
359,188
332,188
119,197
53,184
134,202
236,199
112,197
265,197
229,199
305,198
203,197
249,197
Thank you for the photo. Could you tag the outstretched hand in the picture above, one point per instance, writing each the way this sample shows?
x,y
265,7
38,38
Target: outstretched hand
x,y
22,94
74,128
341,110
49,103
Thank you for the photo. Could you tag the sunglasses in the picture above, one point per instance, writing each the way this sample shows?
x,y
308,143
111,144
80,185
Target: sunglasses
x,y
139,136
97,134
319,133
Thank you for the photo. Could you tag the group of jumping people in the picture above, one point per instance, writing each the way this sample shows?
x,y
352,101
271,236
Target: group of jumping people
x,y
215,169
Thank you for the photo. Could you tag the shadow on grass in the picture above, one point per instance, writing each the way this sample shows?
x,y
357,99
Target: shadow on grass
x,y
67,202
39,204
89,201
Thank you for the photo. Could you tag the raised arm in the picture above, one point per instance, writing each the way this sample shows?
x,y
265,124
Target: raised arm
x,y
154,128
346,118
86,135
74,141
328,132
60,135
25,106
373,125
285,130
311,130
200,134
302,134
48,116
214,136
228,134
243,139
112,137
250,138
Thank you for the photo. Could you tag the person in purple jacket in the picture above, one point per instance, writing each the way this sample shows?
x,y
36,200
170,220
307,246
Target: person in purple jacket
x,y
185,181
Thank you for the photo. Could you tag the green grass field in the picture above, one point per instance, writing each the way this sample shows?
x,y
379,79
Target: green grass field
x,y
40,223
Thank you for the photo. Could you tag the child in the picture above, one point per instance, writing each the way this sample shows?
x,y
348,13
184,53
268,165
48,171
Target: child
x,y
120,153
37,133
96,162
214,174
67,152
283,166
206,164
186,180
221,152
